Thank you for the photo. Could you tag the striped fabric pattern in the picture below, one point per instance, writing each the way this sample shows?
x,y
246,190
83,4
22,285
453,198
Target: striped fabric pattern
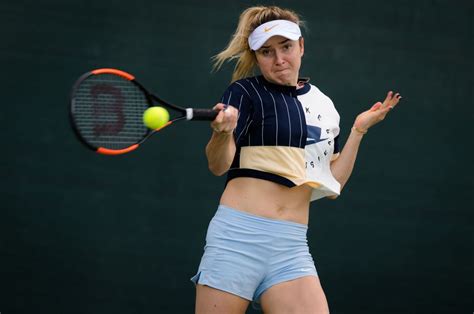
x,y
281,132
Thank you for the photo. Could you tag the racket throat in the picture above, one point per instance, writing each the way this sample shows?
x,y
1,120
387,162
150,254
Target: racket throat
x,y
189,114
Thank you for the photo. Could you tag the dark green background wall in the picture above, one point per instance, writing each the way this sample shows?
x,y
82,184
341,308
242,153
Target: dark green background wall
x,y
83,233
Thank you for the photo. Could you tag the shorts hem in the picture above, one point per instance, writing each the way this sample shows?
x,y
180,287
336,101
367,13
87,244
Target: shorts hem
x,y
201,278
280,280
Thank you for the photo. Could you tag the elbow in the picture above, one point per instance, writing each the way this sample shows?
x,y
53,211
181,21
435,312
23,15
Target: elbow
x,y
218,170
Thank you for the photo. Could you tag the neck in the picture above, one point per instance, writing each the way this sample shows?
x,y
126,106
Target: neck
x,y
292,82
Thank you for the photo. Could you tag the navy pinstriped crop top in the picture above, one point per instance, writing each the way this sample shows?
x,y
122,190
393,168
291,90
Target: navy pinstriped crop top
x,y
284,134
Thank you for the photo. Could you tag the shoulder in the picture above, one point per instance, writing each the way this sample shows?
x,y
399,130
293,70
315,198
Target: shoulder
x,y
320,95
247,90
244,86
240,93
317,98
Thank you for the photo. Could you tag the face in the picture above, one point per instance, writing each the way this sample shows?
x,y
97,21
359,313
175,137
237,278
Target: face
x,y
279,60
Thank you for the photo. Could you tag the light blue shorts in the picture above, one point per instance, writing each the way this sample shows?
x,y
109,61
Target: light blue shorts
x,y
246,254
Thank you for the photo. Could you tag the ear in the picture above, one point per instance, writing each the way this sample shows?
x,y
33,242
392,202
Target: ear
x,y
301,42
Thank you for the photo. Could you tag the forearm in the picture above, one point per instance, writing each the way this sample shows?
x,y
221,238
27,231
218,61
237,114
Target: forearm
x,y
342,167
220,152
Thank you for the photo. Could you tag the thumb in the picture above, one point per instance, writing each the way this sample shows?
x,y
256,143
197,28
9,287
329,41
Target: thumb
x,y
376,106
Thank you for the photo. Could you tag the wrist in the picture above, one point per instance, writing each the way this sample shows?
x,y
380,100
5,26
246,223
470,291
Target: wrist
x,y
359,131
222,132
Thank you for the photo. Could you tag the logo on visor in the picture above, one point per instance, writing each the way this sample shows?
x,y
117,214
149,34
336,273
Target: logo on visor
x,y
267,29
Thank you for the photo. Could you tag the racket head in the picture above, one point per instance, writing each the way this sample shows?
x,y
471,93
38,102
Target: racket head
x,y
106,111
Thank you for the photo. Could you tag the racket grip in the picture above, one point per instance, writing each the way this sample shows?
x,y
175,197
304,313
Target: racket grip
x,y
202,114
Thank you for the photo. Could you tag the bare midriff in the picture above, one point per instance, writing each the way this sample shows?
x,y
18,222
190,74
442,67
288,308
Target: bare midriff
x,y
268,199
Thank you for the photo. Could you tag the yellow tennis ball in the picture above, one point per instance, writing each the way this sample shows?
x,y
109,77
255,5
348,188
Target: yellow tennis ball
x,y
155,117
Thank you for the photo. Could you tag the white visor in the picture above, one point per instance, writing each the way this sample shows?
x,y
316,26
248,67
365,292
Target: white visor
x,y
283,28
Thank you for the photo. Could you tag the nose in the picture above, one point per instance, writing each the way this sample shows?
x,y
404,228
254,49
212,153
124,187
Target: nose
x,y
279,58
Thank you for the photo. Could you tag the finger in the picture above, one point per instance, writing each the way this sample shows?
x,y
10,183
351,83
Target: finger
x,y
222,116
219,107
219,118
385,110
230,115
232,112
226,116
381,114
229,123
388,98
395,100
225,122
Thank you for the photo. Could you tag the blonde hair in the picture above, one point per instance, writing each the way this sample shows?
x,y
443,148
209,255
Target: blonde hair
x,y
238,47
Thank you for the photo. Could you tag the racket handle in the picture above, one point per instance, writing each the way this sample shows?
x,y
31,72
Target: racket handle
x,y
200,114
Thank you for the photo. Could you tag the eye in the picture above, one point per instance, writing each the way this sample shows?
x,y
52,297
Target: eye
x,y
266,52
287,46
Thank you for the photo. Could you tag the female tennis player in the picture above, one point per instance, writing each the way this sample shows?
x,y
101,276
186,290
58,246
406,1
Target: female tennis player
x,y
276,137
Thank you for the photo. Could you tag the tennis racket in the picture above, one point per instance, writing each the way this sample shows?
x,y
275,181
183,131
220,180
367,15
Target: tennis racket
x,y
107,107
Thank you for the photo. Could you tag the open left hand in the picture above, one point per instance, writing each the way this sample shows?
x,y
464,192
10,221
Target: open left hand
x,y
377,113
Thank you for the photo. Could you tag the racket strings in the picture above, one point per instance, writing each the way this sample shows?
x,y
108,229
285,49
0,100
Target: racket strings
x,y
108,111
